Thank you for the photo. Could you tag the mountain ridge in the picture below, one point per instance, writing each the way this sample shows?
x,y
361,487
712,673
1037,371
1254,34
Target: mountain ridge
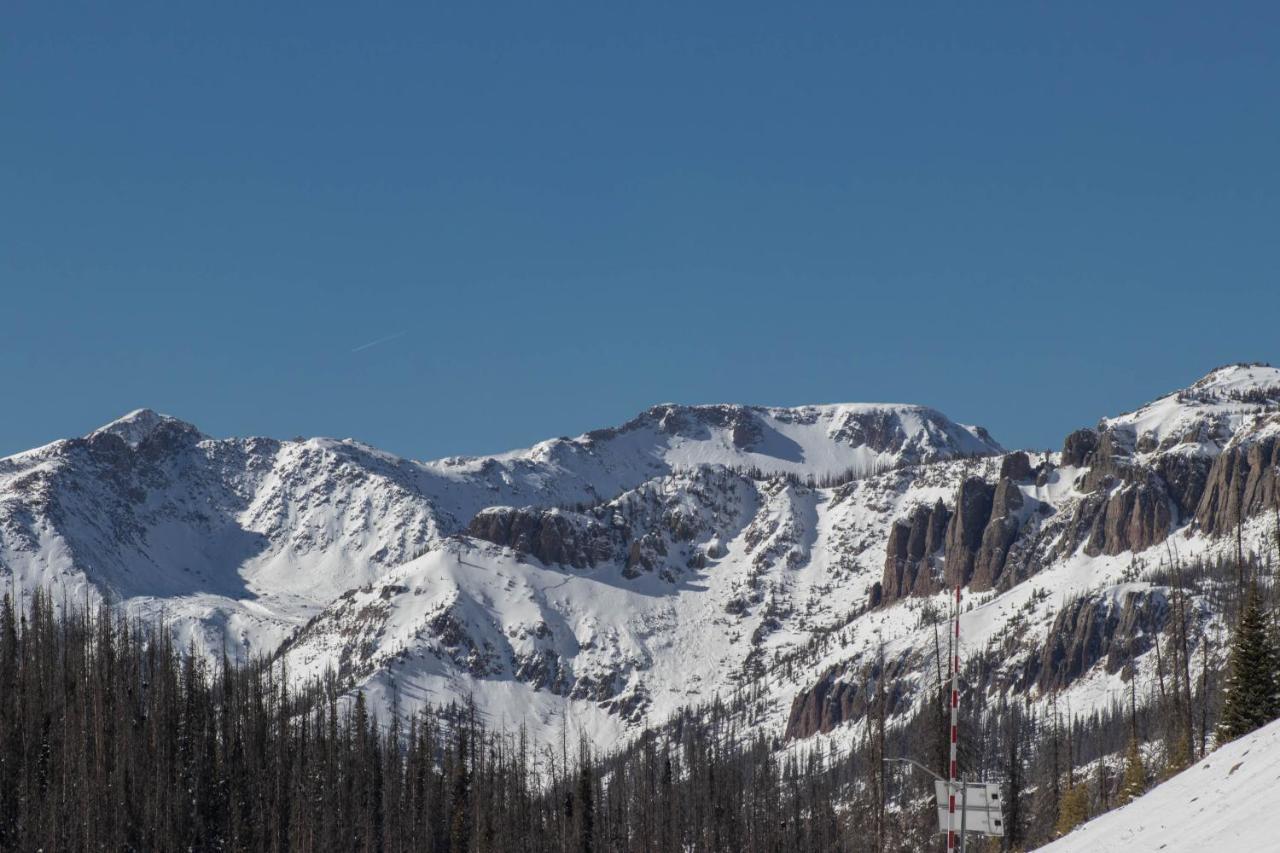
x,y
690,552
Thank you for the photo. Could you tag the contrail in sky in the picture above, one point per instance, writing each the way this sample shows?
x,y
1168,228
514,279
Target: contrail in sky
x,y
380,341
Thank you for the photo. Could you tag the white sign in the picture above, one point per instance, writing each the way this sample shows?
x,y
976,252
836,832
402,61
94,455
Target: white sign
x,y
983,807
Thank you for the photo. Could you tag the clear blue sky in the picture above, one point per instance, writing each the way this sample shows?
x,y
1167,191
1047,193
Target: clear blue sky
x,y
1026,216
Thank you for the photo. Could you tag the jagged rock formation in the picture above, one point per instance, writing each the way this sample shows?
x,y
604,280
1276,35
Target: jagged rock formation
x,y
1185,477
1110,628
1131,518
1244,480
846,693
652,528
966,529
1094,628
998,536
1016,466
914,544
550,535
1078,446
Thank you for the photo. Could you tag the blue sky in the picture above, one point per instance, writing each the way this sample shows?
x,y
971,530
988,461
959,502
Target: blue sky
x,y
551,217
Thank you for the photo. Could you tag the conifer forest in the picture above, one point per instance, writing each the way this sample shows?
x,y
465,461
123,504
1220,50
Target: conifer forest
x,y
112,737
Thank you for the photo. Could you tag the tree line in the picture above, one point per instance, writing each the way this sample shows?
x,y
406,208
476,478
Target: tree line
x,y
113,736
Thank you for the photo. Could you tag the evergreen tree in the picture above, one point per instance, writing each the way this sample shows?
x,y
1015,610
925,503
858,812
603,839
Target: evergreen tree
x,y
586,804
1073,809
1134,781
1251,698
1014,793
460,800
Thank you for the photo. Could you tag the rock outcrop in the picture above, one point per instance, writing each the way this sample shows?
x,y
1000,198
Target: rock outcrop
x,y
1129,506
1185,477
966,529
1078,446
1016,466
1132,518
1094,628
1242,482
1111,461
914,544
842,695
1000,532
551,535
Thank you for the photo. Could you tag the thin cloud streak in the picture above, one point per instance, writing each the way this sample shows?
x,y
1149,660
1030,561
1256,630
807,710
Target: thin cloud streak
x,y
380,341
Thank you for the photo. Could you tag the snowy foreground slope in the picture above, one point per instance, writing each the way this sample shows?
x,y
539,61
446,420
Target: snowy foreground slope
x,y
1226,802
601,583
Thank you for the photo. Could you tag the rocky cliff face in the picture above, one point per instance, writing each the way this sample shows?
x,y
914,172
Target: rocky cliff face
x,y
846,694
966,528
1111,628
998,536
669,525
914,549
1078,446
972,545
1192,464
1243,480
1184,477
553,536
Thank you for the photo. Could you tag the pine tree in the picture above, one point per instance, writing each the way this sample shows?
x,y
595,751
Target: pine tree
x,y
1251,698
460,801
1134,781
586,803
1074,808
1014,793
1177,758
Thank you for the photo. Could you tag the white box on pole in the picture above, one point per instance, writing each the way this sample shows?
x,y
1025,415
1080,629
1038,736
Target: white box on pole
x,y
983,807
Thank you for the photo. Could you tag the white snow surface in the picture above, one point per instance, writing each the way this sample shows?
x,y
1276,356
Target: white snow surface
x,y
1201,418
136,426
1226,802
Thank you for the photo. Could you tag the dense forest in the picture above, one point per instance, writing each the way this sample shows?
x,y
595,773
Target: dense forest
x,y
112,737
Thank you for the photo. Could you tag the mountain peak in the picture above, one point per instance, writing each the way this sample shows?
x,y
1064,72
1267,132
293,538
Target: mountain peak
x,y
1234,380
140,424
1202,417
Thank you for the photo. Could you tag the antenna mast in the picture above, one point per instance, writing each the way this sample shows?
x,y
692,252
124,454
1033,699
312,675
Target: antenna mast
x,y
955,729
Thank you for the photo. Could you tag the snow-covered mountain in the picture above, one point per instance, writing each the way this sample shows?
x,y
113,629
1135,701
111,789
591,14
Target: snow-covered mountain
x,y
244,539
602,582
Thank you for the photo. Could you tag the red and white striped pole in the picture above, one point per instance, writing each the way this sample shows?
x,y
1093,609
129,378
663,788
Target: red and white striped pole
x,y
955,729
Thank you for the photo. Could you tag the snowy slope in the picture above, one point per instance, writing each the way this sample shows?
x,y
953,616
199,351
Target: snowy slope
x,y
1201,418
1226,802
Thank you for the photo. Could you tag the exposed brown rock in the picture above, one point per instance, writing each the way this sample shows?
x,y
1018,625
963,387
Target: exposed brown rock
x,y
965,530
895,559
1185,477
1016,466
840,696
1092,628
1130,518
1078,446
551,535
913,543
1137,517
1241,483
1109,463
999,534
